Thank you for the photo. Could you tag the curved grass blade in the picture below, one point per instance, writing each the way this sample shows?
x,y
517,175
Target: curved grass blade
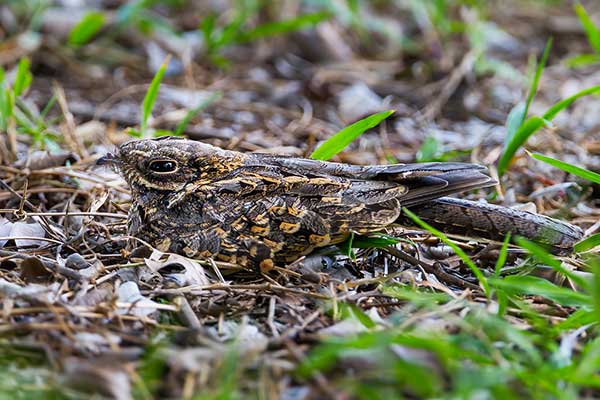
x,y
533,285
594,264
534,123
515,119
591,30
561,105
476,271
572,169
516,123
343,138
587,243
502,256
536,77
376,241
528,128
151,94
542,255
194,111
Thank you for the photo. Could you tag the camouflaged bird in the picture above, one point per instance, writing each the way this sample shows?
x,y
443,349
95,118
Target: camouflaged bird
x,y
256,209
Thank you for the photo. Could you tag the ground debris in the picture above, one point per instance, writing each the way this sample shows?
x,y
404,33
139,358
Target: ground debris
x,y
104,315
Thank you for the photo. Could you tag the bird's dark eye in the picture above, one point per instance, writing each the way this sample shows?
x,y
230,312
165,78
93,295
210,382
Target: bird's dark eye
x,y
163,166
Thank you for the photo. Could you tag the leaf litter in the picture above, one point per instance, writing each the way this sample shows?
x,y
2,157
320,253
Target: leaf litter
x,y
110,317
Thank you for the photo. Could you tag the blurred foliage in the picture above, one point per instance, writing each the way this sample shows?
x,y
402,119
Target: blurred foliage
x,y
486,356
24,375
218,35
17,115
85,29
593,35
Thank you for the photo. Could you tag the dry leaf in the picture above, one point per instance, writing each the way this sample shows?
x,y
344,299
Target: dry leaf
x,y
5,228
128,292
23,229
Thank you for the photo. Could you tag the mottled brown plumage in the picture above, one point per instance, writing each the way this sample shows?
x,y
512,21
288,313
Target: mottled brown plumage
x,y
258,209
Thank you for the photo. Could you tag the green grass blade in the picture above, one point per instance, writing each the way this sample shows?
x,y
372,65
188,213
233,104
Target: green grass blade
x,y
548,259
6,107
343,138
416,296
502,256
86,29
429,150
133,133
126,12
572,169
347,245
228,34
351,311
23,78
194,111
476,271
283,27
528,128
207,26
534,123
48,107
533,285
515,119
561,105
5,113
151,95
587,367
587,243
370,242
518,128
576,320
594,264
591,30
536,77
582,60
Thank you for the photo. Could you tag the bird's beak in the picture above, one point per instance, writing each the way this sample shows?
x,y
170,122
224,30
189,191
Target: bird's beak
x,y
108,159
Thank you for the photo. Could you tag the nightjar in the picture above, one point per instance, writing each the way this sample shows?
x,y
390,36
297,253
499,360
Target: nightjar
x,y
256,209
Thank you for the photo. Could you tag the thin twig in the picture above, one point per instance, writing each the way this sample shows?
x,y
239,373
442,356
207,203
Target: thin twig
x,y
266,287
66,214
432,269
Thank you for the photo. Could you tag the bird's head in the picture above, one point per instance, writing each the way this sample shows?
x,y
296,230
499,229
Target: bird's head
x,y
164,164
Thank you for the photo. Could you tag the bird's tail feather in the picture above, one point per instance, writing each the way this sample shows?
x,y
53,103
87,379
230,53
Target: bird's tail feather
x,y
469,218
